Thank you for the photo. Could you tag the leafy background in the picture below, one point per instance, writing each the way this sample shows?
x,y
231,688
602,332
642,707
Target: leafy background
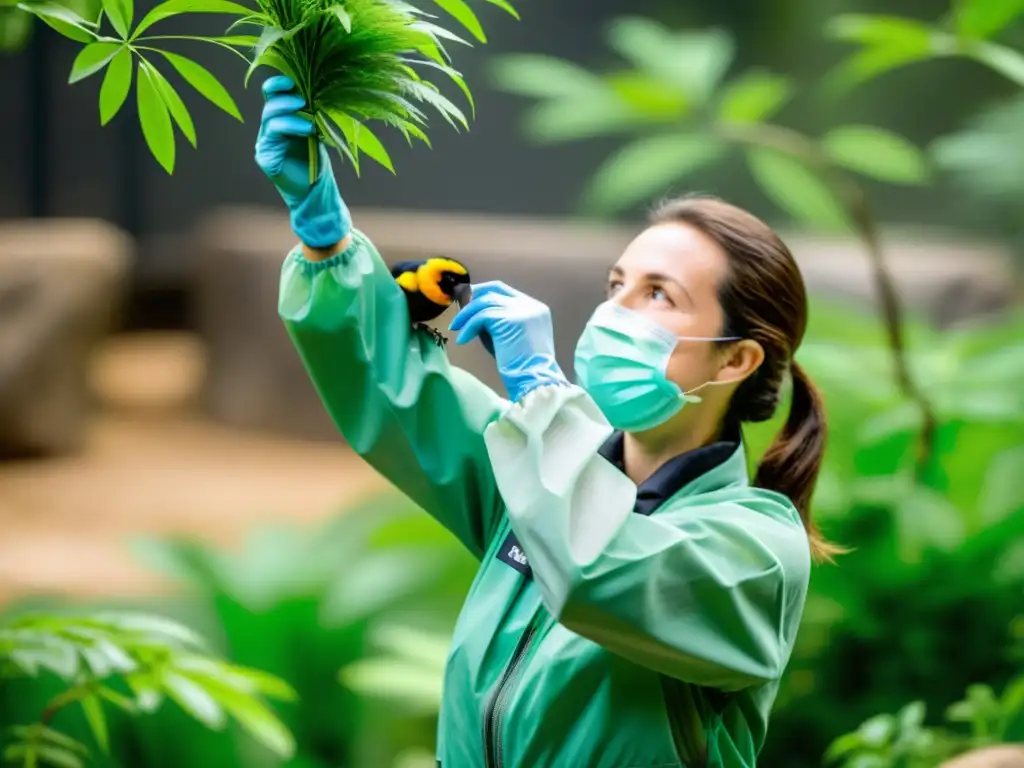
x,y
911,650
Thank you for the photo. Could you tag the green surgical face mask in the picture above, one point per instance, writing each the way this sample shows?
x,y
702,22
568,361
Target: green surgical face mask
x,y
621,359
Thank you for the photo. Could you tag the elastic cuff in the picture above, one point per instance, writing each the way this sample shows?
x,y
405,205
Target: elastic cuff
x,y
314,268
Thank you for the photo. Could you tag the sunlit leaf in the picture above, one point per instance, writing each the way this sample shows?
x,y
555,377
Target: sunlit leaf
x,y
876,153
62,19
155,119
117,82
645,167
58,757
205,83
175,7
119,13
870,63
648,98
754,97
985,18
193,699
796,189
343,16
175,106
1003,492
91,59
404,683
875,30
462,13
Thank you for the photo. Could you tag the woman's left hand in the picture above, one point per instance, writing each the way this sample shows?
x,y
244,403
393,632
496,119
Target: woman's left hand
x,y
520,328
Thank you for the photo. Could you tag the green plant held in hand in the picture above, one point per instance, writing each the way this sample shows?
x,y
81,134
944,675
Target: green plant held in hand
x,y
133,662
353,61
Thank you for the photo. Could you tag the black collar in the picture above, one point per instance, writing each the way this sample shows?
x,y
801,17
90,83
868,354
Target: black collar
x,y
675,473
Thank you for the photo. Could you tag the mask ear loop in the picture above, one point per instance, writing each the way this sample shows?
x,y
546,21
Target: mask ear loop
x,y
689,395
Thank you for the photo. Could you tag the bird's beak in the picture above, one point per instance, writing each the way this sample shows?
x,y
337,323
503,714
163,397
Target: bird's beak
x,y
462,294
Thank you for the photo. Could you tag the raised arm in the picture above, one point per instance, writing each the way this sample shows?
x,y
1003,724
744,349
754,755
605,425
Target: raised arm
x,y
392,393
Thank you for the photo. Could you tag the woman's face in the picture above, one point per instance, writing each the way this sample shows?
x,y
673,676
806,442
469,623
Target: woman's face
x,y
671,273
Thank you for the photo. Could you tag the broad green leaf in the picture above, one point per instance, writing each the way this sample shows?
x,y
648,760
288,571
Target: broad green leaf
x,y
1002,493
170,8
119,14
175,106
877,730
266,684
92,58
544,77
208,86
370,144
117,81
754,97
692,62
261,723
194,700
644,168
343,16
465,16
796,189
876,153
876,30
985,18
569,119
92,706
1005,61
505,6
155,118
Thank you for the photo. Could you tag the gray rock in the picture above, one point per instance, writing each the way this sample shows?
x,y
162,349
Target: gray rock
x,y
61,281
255,379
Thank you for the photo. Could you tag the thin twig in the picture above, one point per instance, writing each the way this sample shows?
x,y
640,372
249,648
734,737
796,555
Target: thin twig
x,y
856,205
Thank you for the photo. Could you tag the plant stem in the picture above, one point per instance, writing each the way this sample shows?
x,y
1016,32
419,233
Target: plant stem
x,y
856,205
313,152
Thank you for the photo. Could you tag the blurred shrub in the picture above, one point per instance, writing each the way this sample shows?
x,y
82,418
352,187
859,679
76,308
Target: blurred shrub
x,y
132,662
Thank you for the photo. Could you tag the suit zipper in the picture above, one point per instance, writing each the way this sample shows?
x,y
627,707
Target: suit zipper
x,y
500,699
685,723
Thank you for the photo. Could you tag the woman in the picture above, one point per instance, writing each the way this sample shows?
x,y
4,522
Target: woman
x,y
638,598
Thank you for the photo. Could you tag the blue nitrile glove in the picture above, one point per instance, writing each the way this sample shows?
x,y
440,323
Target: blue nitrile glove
x,y
318,214
520,327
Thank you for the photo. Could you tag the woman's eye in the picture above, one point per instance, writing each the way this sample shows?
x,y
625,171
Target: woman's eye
x,y
613,286
658,294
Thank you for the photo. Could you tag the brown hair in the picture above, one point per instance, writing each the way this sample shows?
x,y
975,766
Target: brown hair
x,y
764,299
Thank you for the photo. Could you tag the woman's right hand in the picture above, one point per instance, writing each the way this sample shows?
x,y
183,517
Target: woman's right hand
x,y
318,215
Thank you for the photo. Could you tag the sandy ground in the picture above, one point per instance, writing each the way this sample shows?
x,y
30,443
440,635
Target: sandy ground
x,y
153,464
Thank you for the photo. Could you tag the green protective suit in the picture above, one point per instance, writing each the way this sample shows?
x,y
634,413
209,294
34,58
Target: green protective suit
x,y
608,626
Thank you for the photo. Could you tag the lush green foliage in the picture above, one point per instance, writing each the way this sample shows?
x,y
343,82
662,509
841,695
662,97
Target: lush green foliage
x,y
132,662
889,42
353,61
687,114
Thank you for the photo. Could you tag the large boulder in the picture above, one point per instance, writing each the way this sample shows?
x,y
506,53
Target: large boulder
x,y
255,379
61,283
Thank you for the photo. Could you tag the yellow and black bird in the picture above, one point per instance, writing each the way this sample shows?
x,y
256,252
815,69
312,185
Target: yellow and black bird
x,y
430,287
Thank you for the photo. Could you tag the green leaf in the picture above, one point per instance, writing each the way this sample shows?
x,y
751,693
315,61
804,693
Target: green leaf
x,y
876,30
343,16
116,83
370,144
505,6
92,58
205,83
645,167
465,16
1002,493
58,757
795,189
261,723
155,118
194,700
263,48
647,98
170,8
62,20
93,709
692,62
876,153
175,106
985,18
870,63
754,97
544,77
119,14
1005,61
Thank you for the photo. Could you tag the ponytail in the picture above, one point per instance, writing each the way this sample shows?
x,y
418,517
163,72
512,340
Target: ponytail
x,y
792,462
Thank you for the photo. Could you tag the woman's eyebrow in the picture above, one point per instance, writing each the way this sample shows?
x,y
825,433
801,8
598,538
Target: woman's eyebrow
x,y
661,277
